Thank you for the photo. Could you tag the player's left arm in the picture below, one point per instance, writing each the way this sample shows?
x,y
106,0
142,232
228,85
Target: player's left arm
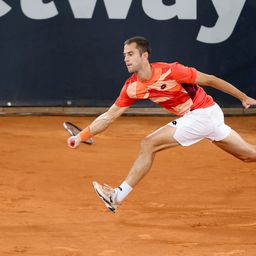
x,y
222,85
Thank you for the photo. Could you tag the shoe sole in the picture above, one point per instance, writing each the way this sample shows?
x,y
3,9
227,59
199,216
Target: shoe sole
x,y
106,202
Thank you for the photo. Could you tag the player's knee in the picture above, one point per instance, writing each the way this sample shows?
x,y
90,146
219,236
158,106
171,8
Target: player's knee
x,y
250,157
147,144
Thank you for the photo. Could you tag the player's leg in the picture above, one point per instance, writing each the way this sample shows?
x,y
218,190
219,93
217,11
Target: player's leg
x,y
186,130
238,147
157,141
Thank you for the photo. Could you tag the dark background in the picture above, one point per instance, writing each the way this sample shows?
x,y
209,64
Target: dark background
x,y
53,61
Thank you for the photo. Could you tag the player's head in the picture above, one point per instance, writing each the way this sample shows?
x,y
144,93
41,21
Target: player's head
x,y
142,44
136,53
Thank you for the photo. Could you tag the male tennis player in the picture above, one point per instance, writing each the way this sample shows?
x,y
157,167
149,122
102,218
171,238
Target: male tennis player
x,y
176,88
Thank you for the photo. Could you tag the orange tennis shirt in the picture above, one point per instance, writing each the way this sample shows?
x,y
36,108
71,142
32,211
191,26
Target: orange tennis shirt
x,y
171,86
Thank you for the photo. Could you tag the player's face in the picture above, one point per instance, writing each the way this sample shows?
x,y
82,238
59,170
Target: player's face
x,y
132,58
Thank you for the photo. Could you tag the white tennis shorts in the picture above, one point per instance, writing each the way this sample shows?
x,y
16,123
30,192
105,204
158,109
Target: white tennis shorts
x,y
203,123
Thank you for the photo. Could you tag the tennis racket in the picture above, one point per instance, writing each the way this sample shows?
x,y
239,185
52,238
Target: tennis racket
x,y
73,130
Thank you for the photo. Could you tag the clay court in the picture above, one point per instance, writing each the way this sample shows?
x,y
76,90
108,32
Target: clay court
x,y
196,201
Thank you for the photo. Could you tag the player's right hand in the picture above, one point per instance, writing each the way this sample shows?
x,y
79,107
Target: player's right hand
x,y
74,141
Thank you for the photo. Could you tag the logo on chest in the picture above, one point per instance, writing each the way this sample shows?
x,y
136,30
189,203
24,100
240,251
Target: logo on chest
x,y
163,86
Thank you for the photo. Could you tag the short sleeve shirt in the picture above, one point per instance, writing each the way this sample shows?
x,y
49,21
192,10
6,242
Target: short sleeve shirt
x,y
171,86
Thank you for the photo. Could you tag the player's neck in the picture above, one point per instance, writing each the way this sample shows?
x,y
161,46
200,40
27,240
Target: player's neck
x,y
145,73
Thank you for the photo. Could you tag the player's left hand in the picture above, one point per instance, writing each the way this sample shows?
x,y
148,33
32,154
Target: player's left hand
x,y
248,101
74,141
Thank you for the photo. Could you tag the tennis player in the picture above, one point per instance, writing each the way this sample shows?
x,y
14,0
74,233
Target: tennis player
x,y
178,89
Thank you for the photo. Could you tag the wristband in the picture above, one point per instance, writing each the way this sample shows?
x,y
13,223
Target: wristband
x,y
85,134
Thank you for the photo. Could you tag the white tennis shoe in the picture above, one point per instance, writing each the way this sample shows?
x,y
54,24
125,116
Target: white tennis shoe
x,y
107,194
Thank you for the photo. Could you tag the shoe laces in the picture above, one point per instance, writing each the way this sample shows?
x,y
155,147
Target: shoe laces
x,y
110,192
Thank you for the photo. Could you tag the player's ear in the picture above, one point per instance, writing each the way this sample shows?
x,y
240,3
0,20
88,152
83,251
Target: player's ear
x,y
145,55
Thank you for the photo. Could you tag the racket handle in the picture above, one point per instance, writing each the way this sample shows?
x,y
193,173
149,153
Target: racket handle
x,y
74,141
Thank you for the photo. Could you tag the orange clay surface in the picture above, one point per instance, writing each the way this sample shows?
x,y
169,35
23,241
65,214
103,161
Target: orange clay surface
x,y
196,201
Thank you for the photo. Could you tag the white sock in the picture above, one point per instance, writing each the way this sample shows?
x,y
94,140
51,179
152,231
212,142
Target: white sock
x,y
122,191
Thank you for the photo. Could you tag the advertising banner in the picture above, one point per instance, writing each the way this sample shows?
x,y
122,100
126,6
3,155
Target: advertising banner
x,y
70,52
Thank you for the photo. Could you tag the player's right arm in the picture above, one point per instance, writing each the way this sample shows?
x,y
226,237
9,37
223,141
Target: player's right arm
x,y
103,121
100,124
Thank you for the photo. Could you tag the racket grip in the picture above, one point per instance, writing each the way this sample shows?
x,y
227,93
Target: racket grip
x,y
74,141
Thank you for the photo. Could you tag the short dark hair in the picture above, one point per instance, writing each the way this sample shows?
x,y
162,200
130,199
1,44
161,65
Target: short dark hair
x,y
142,43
